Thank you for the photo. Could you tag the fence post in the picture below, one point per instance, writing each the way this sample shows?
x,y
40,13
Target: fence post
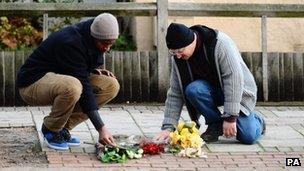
x,y
162,51
45,26
264,57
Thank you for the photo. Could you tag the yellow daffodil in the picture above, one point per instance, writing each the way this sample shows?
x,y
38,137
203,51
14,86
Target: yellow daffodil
x,y
180,126
187,136
185,131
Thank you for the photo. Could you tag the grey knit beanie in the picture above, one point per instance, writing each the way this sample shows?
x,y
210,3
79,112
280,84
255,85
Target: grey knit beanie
x,y
105,26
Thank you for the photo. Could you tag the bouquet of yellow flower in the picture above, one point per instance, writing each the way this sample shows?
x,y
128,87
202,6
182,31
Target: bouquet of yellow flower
x,y
186,141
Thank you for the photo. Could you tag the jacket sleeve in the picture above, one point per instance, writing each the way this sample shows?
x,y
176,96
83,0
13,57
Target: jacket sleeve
x,y
72,60
229,61
174,102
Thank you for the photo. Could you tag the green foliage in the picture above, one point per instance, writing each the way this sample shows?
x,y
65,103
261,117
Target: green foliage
x,y
175,149
17,33
124,44
119,154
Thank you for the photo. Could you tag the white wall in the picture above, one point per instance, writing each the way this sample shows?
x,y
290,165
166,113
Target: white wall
x,y
284,34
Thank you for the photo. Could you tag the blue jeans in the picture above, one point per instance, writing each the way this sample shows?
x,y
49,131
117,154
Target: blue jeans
x,y
206,98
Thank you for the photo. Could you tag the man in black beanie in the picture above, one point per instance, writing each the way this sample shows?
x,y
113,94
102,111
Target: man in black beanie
x,y
207,72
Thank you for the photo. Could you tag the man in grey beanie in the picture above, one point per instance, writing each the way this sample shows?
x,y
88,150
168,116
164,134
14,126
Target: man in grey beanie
x,y
66,71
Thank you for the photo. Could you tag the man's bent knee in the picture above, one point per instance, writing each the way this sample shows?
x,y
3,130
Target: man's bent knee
x,y
191,92
196,88
114,87
249,138
72,89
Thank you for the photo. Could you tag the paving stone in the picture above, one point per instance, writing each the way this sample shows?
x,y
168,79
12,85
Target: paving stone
x,y
20,109
116,108
46,112
233,147
271,149
76,149
15,124
285,135
140,107
42,108
8,109
297,149
81,127
84,136
289,114
283,121
294,108
259,108
153,107
159,112
125,132
146,111
271,108
104,110
185,115
267,113
28,124
281,133
301,131
4,124
32,108
287,149
90,149
297,126
132,112
15,115
282,108
281,142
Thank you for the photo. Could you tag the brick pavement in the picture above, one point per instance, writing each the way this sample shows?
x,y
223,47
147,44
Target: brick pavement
x,y
284,138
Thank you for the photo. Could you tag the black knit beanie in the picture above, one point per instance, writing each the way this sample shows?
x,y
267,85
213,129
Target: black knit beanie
x,y
178,36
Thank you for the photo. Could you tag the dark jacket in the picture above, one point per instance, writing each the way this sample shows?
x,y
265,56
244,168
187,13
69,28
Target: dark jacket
x,y
208,42
69,51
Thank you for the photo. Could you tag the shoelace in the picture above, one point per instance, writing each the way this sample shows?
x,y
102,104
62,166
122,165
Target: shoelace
x,y
66,134
57,137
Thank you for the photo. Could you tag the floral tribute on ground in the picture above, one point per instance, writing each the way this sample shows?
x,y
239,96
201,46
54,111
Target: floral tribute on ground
x,y
184,141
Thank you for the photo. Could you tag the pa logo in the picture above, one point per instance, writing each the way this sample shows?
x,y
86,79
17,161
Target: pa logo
x,y
293,162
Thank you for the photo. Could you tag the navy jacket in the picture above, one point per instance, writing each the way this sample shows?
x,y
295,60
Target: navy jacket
x,y
69,51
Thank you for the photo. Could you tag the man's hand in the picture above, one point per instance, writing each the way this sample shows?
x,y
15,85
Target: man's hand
x,y
105,137
163,136
104,72
229,129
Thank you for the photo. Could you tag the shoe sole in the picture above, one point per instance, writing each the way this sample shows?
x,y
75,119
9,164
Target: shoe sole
x,y
55,147
73,144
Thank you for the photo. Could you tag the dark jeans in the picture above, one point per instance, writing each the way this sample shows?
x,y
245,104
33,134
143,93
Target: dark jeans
x,y
206,99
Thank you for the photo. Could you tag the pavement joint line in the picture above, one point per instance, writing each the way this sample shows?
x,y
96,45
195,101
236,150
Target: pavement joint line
x,y
91,134
302,133
33,119
136,123
260,145
205,147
